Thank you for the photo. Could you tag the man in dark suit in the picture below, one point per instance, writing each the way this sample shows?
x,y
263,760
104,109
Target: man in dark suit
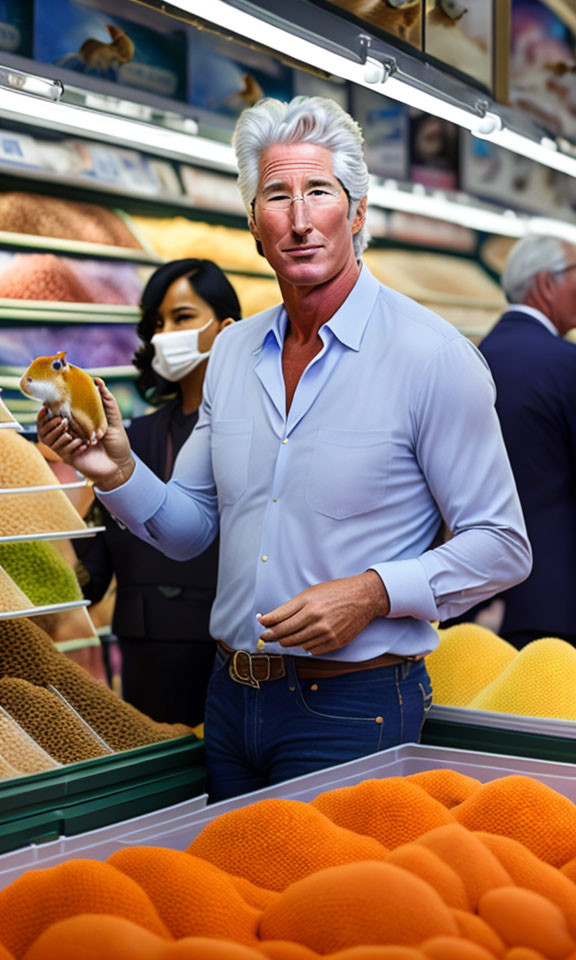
x,y
535,373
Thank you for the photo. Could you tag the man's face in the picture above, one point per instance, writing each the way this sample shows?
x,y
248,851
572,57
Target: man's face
x,y
306,241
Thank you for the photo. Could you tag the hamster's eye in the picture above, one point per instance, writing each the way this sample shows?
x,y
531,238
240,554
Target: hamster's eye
x,y
57,365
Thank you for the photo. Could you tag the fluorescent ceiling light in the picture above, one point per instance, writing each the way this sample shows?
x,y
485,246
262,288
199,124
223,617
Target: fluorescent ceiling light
x,y
442,208
122,131
504,223
377,76
372,74
545,151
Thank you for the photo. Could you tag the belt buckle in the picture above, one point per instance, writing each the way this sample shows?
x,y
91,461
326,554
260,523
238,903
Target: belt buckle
x,y
251,681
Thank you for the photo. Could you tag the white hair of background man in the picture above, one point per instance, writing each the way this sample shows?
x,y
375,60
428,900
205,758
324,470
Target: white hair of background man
x,y
315,120
526,259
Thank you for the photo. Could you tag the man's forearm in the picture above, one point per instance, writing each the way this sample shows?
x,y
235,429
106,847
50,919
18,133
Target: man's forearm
x,y
375,594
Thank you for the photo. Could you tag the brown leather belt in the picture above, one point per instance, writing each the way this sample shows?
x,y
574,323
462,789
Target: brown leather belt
x,y
256,668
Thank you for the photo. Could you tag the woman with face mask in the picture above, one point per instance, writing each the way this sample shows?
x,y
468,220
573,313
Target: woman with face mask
x,y
162,606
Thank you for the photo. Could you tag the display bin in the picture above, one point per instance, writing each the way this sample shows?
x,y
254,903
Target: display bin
x,y
509,733
177,826
84,796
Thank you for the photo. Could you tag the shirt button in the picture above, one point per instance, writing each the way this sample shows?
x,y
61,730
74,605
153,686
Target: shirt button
x,y
264,558
285,440
274,499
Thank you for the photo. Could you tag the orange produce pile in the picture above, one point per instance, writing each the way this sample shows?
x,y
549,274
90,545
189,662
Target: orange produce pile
x,y
436,865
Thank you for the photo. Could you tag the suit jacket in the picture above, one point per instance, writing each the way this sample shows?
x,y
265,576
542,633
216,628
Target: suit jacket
x,y
157,598
535,376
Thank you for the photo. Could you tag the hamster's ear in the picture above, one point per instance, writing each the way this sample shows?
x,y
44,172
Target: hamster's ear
x,y
62,357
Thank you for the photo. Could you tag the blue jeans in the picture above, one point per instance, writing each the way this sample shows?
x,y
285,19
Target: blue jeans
x,y
288,727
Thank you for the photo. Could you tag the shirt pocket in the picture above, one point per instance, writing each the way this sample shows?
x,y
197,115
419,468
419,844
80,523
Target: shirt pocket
x,y
348,472
230,443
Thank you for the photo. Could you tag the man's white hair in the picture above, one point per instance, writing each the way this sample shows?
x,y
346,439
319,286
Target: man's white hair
x,y
312,120
526,259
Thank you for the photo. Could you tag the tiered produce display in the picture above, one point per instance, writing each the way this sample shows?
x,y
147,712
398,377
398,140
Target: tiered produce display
x,y
56,702
433,865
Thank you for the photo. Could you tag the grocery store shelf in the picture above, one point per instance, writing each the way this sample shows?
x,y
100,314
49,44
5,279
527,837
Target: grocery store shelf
x,y
56,535
99,251
46,311
46,488
48,608
82,643
134,201
549,726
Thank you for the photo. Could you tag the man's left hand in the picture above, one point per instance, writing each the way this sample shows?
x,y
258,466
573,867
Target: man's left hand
x,y
327,616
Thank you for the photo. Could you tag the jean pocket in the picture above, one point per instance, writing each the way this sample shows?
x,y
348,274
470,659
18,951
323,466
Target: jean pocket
x,y
348,472
338,700
230,444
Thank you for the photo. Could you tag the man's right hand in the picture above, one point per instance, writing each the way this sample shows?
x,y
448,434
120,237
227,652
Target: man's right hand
x,y
108,463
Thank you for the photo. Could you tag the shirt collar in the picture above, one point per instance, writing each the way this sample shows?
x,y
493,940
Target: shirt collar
x,y
349,321
533,312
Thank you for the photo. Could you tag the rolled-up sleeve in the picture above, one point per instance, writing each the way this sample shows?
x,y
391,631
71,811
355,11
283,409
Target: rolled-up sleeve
x,y
460,450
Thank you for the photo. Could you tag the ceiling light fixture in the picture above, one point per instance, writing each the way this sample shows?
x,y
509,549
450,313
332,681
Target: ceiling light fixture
x,y
378,75
121,131
389,195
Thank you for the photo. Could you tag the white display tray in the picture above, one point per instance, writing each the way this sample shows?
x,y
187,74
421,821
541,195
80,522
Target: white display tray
x,y
46,488
176,827
49,608
546,726
56,535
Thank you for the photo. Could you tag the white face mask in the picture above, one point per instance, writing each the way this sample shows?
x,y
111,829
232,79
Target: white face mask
x,y
176,354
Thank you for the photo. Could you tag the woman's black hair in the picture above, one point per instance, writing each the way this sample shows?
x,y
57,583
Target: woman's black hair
x,y
209,282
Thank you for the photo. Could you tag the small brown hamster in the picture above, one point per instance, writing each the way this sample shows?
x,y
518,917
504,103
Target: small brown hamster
x,y
67,391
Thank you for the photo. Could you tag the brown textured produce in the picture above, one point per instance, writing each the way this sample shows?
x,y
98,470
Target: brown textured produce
x,y
64,219
44,717
21,463
27,652
19,751
48,512
42,276
12,598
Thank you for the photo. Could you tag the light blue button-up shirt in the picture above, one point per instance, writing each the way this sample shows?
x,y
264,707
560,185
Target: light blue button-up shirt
x,y
392,430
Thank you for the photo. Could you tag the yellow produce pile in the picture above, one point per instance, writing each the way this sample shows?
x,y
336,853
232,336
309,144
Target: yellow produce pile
x,y
230,248
22,464
472,667
35,513
177,237
488,873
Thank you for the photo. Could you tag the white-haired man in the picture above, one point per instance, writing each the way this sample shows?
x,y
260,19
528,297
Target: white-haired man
x,y
534,369
337,431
